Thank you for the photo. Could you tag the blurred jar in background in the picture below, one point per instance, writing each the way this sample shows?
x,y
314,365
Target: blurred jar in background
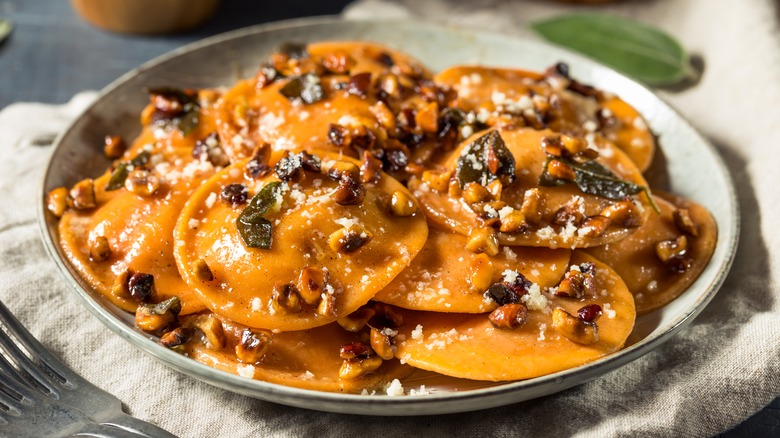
x,y
146,16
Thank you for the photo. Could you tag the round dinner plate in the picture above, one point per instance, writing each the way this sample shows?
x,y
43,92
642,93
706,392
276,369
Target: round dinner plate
x,y
690,167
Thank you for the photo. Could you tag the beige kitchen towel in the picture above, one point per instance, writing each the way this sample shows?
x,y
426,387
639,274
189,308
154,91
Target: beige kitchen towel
x,y
718,371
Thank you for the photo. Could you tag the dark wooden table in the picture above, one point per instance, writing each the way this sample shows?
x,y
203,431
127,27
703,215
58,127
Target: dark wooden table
x,y
52,55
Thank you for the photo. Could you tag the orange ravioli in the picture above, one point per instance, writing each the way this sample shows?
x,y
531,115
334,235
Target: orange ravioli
x,y
447,277
139,229
468,346
254,111
515,97
252,286
525,145
654,283
307,359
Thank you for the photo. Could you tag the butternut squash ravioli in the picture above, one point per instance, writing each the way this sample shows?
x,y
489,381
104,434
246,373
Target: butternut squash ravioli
x,y
348,221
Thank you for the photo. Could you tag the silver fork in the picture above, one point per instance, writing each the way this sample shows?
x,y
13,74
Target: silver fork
x,y
40,396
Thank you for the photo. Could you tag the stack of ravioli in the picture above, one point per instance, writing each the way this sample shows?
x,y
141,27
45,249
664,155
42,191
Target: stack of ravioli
x,y
347,218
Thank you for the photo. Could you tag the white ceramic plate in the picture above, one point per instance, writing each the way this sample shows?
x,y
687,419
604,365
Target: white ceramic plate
x,y
693,168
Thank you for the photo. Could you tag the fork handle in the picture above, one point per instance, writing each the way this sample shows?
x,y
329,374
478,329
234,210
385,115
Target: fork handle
x,y
139,428
96,430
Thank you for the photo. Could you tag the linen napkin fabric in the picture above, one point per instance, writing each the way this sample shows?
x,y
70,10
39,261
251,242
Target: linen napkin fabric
x,y
711,376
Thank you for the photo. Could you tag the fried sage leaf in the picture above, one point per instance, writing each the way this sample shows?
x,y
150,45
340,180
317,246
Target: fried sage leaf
x,y
294,50
254,229
175,108
122,170
485,160
306,88
594,179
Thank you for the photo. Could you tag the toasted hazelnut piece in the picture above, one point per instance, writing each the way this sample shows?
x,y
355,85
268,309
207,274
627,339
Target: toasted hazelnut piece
x,y
382,344
513,222
254,343
553,145
576,284
370,168
285,298
427,118
338,62
667,250
532,207
560,170
57,201
570,213
483,240
355,368
350,190
480,272
684,222
311,284
508,316
359,84
453,188
356,321
120,288
141,286
402,204
99,249
390,86
595,226
176,337
82,195
415,169
474,192
114,146
202,271
573,328
327,305
437,181
573,145
495,188
383,115
623,213
211,327
347,240
142,182
153,318
354,350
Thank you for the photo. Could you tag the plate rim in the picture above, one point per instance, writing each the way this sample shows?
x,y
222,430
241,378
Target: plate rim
x,y
436,403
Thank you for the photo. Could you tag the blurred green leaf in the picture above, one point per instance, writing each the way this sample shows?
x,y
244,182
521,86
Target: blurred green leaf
x,y
5,29
643,52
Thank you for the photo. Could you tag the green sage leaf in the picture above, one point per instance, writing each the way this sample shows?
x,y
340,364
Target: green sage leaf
x,y
118,177
254,229
643,52
306,88
5,29
485,160
593,178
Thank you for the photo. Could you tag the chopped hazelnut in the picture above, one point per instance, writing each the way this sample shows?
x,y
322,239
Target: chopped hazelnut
x,y
142,182
356,321
382,344
669,249
346,240
327,305
573,328
350,190
495,188
114,146
82,195
311,284
355,368
354,350
402,204
212,329
624,213
532,207
684,222
285,298
483,240
57,201
202,271
176,337
560,170
338,62
576,284
370,168
437,181
595,226
384,116
474,192
480,271
508,316
569,214
99,249
427,118
253,346
513,222
153,318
